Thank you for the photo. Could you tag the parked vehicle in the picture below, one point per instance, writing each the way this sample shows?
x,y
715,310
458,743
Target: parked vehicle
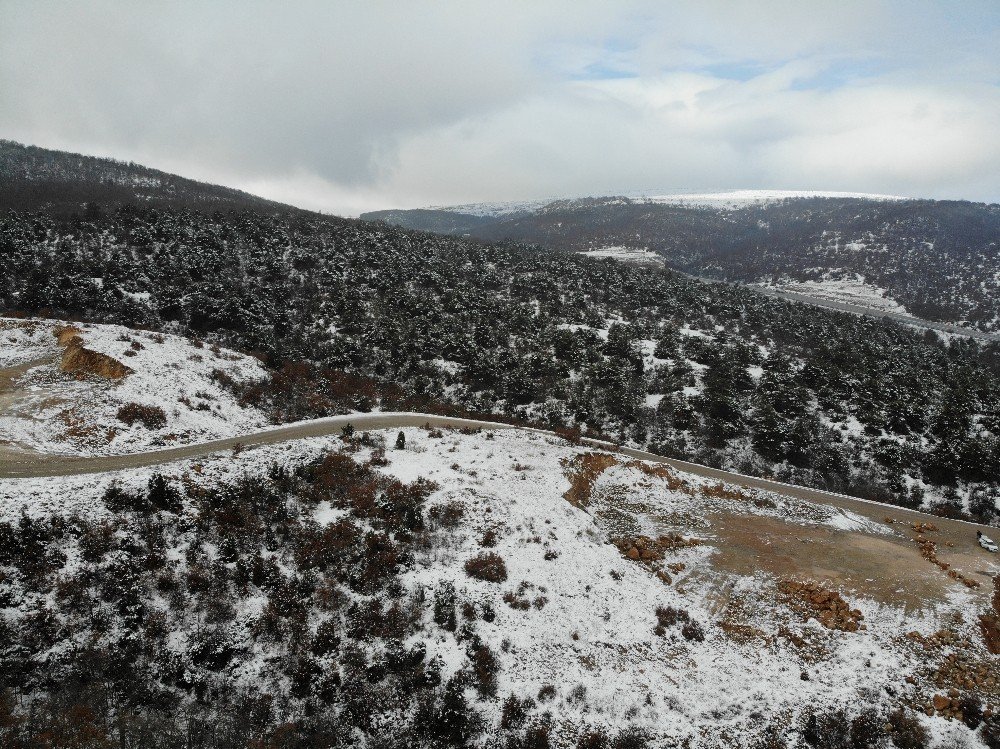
x,y
987,543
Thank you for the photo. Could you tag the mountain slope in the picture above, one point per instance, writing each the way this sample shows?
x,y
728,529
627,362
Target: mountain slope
x,y
33,178
354,315
938,259
450,587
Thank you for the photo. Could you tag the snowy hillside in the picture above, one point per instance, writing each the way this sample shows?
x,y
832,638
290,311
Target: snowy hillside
x,y
127,391
724,199
734,199
544,587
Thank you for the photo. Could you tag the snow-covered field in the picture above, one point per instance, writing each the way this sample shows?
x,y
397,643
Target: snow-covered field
x,y
584,629
852,289
627,255
43,408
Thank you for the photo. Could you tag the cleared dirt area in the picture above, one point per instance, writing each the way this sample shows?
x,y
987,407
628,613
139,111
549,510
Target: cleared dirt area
x,y
23,402
888,569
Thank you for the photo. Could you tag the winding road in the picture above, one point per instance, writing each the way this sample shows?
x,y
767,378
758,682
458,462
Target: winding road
x,y
16,464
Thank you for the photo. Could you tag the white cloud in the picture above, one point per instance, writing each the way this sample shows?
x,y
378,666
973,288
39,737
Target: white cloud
x,y
353,105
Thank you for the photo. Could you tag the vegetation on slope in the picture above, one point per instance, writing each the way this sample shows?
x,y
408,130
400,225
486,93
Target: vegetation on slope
x,y
713,373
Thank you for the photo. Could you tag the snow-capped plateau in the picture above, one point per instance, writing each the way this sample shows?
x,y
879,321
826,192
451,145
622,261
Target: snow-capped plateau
x,y
733,199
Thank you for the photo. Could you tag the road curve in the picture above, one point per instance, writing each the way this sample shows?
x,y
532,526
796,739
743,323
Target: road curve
x,y
855,309
794,296
19,465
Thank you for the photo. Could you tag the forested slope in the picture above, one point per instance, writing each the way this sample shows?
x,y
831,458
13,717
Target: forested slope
x,y
350,314
940,259
33,178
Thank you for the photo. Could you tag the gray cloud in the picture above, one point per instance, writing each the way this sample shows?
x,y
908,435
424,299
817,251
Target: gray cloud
x,y
353,105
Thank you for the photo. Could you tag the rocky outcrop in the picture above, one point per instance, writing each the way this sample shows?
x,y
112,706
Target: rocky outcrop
x,y
825,606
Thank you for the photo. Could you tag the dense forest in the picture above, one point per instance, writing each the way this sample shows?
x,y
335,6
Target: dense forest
x,y
350,314
937,258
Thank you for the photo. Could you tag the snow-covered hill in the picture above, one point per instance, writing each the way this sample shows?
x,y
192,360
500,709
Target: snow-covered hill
x,y
733,199
172,393
722,199
618,597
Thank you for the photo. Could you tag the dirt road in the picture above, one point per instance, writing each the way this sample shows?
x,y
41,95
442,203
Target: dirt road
x,y
23,464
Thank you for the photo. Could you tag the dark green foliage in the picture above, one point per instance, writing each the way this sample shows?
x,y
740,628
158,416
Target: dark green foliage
x,y
990,733
936,257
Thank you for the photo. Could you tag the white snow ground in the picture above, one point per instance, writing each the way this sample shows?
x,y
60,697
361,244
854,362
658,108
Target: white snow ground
x,y
847,289
627,255
51,411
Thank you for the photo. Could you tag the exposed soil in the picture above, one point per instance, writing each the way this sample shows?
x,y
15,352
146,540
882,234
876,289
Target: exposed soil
x,y
80,361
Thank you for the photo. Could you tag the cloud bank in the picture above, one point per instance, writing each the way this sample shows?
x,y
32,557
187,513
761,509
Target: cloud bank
x,y
349,106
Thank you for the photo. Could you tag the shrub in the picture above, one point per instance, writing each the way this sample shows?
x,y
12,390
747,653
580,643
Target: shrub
x,y
485,666
990,733
151,417
867,730
546,693
907,733
489,539
117,499
444,606
972,710
515,711
163,496
488,566
693,631
630,738
597,739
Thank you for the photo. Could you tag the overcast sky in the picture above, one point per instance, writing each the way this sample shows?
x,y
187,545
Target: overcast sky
x,y
350,106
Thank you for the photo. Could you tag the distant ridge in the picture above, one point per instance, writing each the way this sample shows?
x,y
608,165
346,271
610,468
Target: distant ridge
x,y
34,178
740,198
724,199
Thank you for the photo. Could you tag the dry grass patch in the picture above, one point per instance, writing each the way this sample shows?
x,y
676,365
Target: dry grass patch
x,y
151,417
487,566
583,470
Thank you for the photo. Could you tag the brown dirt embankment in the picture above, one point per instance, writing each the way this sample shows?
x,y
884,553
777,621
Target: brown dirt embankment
x,y
990,622
80,361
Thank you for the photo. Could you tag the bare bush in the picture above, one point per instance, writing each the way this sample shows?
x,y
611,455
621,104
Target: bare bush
x,y
151,417
488,566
